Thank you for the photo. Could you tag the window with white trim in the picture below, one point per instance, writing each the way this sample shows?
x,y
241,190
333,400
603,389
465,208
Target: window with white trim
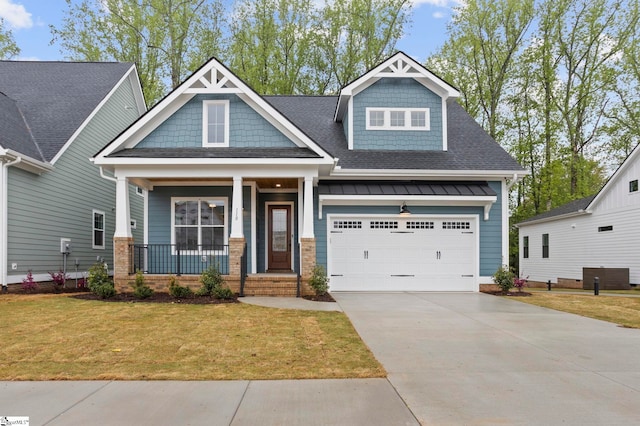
x,y
98,229
199,223
398,119
215,123
633,185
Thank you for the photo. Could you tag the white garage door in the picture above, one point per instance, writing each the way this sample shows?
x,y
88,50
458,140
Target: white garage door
x,y
402,254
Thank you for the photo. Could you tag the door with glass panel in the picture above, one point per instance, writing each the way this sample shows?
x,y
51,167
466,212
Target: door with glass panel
x,y
279,238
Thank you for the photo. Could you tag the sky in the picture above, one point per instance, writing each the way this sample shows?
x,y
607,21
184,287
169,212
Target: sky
x,y
29,20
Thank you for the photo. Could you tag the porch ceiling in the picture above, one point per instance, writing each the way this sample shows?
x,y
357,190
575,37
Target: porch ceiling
x,y
264,183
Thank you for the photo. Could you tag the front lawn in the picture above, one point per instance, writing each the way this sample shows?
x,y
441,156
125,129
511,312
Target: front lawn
x,y
620,310
57,337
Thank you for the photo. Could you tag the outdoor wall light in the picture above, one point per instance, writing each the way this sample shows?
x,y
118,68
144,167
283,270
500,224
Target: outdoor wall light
x,y
404,211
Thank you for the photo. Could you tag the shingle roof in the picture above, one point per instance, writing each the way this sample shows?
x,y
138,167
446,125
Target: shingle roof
x,y
14,133
469,146
574,206
54,99
405,188
215,153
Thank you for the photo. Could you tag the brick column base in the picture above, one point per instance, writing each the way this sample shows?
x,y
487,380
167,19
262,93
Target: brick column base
x,y
236,248
121,262
308,262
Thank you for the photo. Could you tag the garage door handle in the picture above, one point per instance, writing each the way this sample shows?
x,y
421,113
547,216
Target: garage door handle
x,y
403,275
337,275
467,276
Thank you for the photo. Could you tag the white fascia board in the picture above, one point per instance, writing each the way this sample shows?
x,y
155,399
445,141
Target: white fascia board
x,y
615,176
411,200
182,162
189,89
414,70
222,171
27,163
94,112
339,173
414,200
553,218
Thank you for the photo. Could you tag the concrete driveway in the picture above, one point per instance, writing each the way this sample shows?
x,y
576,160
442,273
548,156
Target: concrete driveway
x,y
475,359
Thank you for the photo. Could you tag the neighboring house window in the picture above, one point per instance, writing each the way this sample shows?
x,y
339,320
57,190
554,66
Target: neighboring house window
x,y
199,224
633,186
545,246
215,119
139,191
134,224
605,228
398,119
525,247
98,229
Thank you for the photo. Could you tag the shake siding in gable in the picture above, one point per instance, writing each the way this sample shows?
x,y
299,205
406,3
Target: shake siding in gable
x,y
247,128
59,204
397,93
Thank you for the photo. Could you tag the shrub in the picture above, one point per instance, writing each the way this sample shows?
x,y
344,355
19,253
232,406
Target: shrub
x,y
319,281
503,278
519,282
29,283
223,292
140,289
59,279
98,281
211,280
178,291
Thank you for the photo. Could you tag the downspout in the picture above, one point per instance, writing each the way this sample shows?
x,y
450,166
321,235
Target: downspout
x,y
111,178
4,227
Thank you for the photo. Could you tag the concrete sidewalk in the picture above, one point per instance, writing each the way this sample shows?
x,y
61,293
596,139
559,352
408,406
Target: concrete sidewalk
x,y
269,402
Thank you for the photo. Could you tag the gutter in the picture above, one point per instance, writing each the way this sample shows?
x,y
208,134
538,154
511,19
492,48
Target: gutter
x,y
4,226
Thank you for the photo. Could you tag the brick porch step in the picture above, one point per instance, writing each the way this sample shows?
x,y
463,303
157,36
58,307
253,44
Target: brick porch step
x,y
271,285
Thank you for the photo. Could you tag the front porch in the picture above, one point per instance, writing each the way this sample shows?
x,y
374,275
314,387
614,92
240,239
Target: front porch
x,y
258,235
161,261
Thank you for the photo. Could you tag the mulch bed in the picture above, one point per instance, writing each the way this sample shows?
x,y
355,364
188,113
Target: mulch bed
x,y
158,297
323,298
509,293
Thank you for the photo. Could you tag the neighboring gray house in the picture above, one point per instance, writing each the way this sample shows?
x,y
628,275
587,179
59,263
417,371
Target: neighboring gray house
x,y
602,230
390,185
53,117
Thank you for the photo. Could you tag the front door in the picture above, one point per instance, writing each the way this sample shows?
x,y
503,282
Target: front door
x,y
279,222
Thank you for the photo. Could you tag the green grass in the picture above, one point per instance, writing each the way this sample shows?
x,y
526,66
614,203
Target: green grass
x,y
56,337
621,310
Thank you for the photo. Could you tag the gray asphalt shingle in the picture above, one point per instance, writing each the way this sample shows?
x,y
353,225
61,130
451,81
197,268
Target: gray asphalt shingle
x,y
54,99
571,207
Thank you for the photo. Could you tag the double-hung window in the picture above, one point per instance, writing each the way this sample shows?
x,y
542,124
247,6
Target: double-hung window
x,y
98,229
199,224
397,119
545,246
215,119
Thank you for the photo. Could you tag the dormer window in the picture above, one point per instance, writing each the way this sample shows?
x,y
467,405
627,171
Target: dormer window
x,y
398,119
215,120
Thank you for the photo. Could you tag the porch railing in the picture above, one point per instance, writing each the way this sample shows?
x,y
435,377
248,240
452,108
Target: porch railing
x,y
164,259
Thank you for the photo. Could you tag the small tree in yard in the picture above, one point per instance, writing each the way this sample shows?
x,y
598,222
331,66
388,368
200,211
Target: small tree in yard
x,y
140,289
98,281
319,281
503,278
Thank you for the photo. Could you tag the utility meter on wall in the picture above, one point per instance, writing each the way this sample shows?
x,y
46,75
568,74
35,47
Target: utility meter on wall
x,y
65,245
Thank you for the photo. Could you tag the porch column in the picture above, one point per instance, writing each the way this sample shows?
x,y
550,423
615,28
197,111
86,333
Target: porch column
x,y
123,216
122,238
236,205
308,241
307,229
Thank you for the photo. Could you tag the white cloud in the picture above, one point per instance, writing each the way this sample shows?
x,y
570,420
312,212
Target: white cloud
x,y
438,15
15,14
440,3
